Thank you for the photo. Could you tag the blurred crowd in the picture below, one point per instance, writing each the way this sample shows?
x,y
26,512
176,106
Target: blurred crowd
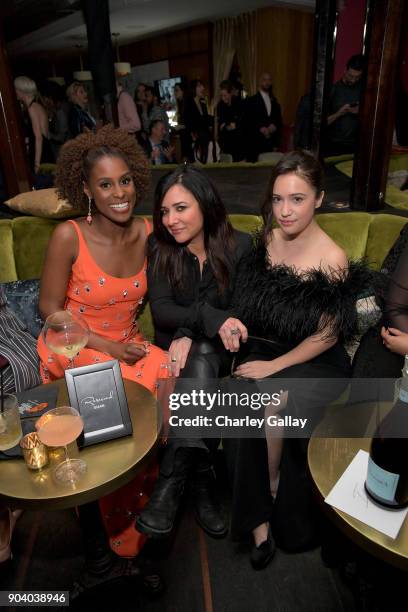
x,y
184,124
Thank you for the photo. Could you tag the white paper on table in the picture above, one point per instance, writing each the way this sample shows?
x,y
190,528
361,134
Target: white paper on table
x,y
349,495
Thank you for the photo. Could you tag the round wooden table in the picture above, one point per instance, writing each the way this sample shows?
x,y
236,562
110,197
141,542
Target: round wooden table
x,y
109,464
328,458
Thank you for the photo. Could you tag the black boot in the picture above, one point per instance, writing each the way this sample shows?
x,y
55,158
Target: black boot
x,y
157,517
208,511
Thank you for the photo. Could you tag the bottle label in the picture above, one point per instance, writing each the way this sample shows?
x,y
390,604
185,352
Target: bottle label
x,y
403,395
380,482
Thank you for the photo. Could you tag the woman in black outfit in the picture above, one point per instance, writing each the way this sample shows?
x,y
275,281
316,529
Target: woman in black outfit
x,y
382,348
297,294
36,125
230,114
194,255
185,135
197,120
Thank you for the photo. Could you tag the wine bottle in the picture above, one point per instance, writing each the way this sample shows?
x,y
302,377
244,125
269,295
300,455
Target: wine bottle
x,y
387,474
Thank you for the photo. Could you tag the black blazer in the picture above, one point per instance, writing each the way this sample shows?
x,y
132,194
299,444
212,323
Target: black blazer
x,y
256,116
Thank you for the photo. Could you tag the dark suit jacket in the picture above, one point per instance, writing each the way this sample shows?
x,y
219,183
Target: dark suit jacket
x,y
256,117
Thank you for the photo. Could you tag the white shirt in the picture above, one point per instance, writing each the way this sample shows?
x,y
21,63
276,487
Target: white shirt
x,y
267,101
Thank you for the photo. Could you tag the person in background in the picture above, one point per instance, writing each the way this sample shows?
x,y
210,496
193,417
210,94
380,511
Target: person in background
x,y
79,119
197,120
153,111
302,134
58,109
37,127
342,121
157,148
129,119
185,136
263,120
230,117
140,98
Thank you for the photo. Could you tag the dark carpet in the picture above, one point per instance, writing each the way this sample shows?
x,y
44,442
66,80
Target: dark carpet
x,y
203,574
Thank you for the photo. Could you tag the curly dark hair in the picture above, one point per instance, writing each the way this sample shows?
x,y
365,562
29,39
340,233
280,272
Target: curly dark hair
x,y
78,156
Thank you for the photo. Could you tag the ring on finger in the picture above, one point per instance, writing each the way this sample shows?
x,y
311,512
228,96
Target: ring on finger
x,y
173,360
234,331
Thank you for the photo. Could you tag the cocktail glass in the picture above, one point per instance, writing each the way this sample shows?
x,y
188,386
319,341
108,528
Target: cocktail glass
x,y
59,427
10,424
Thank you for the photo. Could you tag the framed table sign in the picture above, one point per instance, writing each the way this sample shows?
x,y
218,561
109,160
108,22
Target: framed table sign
x,y
97,392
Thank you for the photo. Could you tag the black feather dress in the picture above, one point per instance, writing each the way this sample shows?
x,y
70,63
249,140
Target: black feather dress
x,y
278,304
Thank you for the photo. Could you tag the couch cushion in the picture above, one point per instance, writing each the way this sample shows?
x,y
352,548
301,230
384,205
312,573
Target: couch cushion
x,y
8,270
22,299
43,203
349,230
384,231
31,237
246,223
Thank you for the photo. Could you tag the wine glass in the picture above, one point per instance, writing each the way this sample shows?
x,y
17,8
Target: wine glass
x,y
59,427
66,334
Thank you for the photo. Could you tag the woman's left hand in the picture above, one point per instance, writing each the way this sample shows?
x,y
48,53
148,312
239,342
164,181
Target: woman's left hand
x,y
395,340
232,332
257,369
178,353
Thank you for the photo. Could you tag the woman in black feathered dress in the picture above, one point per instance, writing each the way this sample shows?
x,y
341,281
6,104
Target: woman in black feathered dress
x,y
297,291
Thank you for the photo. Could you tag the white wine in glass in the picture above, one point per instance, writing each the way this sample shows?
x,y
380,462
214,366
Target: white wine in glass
x,y
66,334
59,427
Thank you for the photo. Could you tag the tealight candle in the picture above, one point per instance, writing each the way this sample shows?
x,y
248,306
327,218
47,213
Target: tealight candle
x,y
34,451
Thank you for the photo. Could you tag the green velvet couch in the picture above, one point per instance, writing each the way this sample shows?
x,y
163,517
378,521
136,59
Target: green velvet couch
x,y
393,196
24,240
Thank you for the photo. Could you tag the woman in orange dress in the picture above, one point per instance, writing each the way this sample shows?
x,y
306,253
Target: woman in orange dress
x,y
96,267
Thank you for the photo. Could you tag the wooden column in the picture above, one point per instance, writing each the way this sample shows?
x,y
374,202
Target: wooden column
x,y
323,53
377,108
100,51
13,152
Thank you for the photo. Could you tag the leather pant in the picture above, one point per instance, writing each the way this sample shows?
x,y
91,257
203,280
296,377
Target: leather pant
x,y
206,362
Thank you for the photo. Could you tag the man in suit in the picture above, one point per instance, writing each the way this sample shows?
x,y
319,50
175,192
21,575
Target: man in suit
x,y
156,147
263,120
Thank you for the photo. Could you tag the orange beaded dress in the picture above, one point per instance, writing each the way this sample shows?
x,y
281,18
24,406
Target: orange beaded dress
x,y
110,305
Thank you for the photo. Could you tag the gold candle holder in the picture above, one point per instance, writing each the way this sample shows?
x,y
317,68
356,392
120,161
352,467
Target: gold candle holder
x,y
34,451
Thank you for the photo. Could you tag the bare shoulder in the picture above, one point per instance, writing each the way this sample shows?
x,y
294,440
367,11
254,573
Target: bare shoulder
x,y
140,227
335,258
64,231
65,238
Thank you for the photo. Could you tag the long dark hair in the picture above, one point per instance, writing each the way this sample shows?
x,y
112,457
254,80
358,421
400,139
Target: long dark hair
x,y
302,163
168,255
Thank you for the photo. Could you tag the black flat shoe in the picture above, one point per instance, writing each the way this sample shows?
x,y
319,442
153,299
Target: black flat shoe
x,y
263,554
